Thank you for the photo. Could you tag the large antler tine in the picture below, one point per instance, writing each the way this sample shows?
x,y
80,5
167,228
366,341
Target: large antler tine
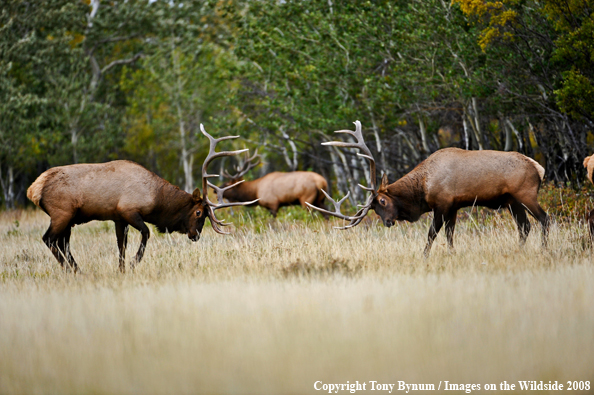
x,y
215,223
223,205
360,144
336,204
213,144
323,210
341,144
212,139
358,217
227,153
366,153
346,131
220,191
212,154
368,189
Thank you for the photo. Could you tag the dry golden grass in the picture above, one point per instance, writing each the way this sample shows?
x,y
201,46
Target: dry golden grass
x,y
282,304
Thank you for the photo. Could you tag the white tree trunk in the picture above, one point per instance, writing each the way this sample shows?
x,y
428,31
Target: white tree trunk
x,y
509,142
465,127
186,157
423,135
473,120
378,142
477,124
341,181
518,137
74,140
293,164
8,188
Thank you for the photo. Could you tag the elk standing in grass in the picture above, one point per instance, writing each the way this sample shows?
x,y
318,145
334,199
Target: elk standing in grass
x,y
126,193
589,165
276,189
448,180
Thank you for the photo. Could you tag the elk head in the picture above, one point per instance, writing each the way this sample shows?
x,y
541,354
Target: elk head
x,y
378,199
203,207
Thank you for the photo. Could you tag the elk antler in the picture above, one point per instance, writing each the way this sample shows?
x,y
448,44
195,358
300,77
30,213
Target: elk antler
x,y
244,167
355,219
212,154
364,209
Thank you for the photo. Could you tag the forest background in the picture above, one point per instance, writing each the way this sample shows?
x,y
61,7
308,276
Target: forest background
x,y
92,81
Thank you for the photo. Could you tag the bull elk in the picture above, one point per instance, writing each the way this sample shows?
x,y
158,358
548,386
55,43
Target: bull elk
x,y
446,181
127,194
276,189
589,165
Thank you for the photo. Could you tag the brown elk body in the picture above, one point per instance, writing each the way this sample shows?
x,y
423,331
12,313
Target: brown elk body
x,y
123,192
589,165
278,189
451,179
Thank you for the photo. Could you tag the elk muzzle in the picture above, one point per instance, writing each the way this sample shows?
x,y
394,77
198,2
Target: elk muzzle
x,y
194,236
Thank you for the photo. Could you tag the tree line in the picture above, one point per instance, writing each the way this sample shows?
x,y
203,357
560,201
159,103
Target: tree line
x,y
92,81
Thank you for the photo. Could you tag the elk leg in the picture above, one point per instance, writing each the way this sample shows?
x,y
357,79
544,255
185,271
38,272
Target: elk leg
x,y
122,237
538,213
433,230
54,238
64,246
518,211
136,221
273,210
450,226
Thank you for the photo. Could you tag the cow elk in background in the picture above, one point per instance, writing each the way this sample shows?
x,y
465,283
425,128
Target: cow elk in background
x,y
276,189
448,180
589,165
127,194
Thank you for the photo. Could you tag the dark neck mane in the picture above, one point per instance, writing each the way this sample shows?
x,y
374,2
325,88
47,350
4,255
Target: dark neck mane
x,y
409,191
172,210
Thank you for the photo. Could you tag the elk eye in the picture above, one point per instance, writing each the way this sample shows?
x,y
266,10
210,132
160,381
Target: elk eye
x,y
382,201
198,213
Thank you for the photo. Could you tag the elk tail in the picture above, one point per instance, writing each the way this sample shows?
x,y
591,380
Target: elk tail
x,y
35,190
589,164
539,168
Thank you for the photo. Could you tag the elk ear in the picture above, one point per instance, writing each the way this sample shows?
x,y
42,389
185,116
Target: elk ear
x,y
196,194
384,181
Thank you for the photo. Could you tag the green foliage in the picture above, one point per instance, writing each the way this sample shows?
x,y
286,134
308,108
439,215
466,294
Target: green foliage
x,y
184,80
93,82
574,53
565,203
260,219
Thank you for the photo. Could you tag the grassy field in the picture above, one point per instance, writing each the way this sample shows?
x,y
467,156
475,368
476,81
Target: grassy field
x,y
284,303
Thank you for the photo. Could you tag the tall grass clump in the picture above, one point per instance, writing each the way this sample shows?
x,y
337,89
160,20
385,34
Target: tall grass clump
x,y
283,303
